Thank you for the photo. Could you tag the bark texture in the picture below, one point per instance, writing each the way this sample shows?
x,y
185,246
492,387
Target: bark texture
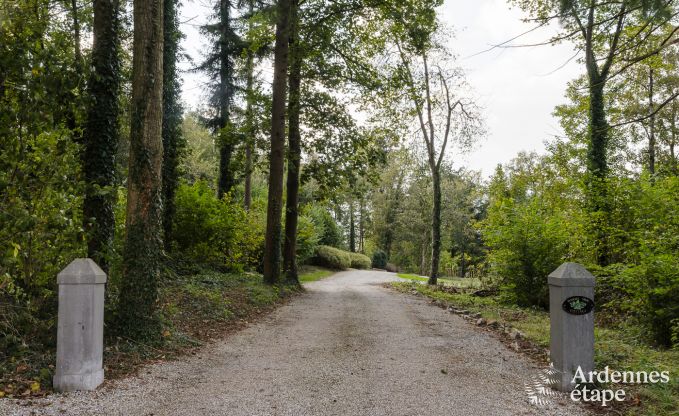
x,y
294,150
143,243
249,117
226,178
272,246
435,227
173,143
100,135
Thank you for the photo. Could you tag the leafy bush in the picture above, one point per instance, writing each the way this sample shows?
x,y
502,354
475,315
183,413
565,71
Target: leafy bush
x,y
379,259
332,257
528,242
649,293
330,234
215,231
359,261
308,237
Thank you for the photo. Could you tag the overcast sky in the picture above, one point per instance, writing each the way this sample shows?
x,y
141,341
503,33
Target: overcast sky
x,y
517,87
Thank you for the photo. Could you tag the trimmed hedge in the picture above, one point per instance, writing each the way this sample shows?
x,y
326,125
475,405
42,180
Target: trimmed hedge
x,y
360,261
332,258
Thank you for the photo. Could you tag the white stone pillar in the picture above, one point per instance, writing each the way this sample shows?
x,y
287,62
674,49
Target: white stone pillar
x,y
80,331
571,314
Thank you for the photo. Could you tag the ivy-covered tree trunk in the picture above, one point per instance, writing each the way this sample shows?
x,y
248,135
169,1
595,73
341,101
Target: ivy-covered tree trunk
x,y
173,143
143,242
272,246
597,166
294,150
100,135
651,124
435,227
226,177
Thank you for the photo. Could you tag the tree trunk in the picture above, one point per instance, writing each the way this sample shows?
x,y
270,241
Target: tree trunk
x,y
249,115
361,226
100,135
294,150
143,243
352,228
597,165
172,140
272,249
225,181
435,227
651,127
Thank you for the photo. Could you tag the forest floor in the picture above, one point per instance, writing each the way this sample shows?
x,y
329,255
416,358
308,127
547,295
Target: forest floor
x,y
347,346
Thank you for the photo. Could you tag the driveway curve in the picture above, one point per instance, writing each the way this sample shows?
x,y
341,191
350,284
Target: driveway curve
x,y
348,346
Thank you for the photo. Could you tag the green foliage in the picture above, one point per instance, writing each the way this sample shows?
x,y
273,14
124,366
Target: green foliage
x,y
652,290
330,234
214,231
526,245
332,258
360,261
308,237
379,260
531,228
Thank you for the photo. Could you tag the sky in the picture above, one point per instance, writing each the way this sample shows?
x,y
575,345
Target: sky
x,y
517,88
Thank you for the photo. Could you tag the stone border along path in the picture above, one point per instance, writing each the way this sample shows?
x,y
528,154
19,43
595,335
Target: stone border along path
x,y
346,347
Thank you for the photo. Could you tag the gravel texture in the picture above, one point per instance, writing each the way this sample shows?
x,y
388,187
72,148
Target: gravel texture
x,y
346,347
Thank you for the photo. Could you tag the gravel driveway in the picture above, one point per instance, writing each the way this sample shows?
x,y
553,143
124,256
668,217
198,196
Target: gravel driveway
x,y
346,347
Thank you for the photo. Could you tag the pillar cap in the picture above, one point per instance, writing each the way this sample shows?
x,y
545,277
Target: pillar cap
x,y
81,272
571,274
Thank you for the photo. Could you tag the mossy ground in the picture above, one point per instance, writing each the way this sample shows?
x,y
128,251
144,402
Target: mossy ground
x,y
615,347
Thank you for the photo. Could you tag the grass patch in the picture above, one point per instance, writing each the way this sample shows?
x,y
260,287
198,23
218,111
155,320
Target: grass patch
x,y
312,273
458,282
615,347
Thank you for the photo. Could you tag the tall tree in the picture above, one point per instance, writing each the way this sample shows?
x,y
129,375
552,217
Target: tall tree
x,y
143,242
609,34
439,113
249,111
294,148
272,249
173,141
219,66
100,135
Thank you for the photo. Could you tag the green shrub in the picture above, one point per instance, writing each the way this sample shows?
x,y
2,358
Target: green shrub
x,y
527,243
359,261
308,237
379,259
330,234
332,257
650,292
215,231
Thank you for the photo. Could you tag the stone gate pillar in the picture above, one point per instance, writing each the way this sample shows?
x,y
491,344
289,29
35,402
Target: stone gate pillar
x,y
80,328
571,314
